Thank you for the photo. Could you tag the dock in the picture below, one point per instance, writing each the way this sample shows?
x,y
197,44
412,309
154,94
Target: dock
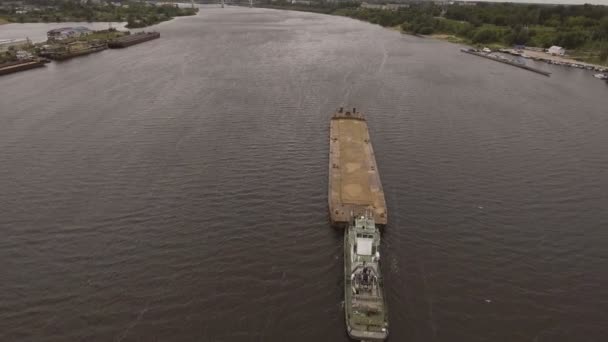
x,y
354,181
505,61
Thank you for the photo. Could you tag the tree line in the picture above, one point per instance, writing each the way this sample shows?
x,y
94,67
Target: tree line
x,y
136,13
570,26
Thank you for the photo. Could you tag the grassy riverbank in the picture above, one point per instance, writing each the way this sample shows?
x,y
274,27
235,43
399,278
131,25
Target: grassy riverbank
x,y
582,30
136,14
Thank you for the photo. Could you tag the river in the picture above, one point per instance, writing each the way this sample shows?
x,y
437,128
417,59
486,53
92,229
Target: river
x,y
177,190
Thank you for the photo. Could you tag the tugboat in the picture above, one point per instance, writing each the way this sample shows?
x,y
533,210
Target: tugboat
x,y
364,301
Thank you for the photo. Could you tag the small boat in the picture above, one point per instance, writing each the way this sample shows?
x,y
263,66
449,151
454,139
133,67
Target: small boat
x,y
365,306
601,76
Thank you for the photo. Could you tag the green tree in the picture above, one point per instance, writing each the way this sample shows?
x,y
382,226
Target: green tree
x,y
572,39
603,28
485,35
131,20
554,21
604,54
522,37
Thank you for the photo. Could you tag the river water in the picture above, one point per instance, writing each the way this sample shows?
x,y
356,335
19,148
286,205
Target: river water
x,y
177,190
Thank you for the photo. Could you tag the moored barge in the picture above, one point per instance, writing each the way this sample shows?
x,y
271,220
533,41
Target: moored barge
x,y
11,67
132,39
67,52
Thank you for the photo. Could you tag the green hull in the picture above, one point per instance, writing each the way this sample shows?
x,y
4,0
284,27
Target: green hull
x,y
365,305
61,56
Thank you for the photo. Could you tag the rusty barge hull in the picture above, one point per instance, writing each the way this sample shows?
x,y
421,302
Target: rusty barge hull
x,y
132,39
10,68
354,181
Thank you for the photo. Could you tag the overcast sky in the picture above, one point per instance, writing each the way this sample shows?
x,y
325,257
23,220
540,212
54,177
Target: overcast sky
x,y
577,2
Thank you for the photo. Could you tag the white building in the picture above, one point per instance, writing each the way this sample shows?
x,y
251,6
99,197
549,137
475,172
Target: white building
x,y
557,50
388,7
395,7
68,32
23,55
371,6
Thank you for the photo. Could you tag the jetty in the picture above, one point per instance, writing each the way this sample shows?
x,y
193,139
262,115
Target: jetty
x,y
354,182
505,61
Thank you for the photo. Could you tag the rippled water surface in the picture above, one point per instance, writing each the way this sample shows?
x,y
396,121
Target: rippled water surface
x,y
177,190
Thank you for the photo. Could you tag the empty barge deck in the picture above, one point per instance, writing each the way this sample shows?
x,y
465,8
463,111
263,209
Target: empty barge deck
x,y
354,181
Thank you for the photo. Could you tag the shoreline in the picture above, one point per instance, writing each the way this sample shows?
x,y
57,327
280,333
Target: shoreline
x,y
451,38
136,17
4,22
30,55
539,56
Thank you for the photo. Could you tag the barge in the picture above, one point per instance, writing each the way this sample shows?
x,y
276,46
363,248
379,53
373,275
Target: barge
x,y
505,61
354,181
132,39
11,67
67,52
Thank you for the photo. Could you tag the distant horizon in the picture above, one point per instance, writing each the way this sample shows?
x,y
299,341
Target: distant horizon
x,y
547,2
